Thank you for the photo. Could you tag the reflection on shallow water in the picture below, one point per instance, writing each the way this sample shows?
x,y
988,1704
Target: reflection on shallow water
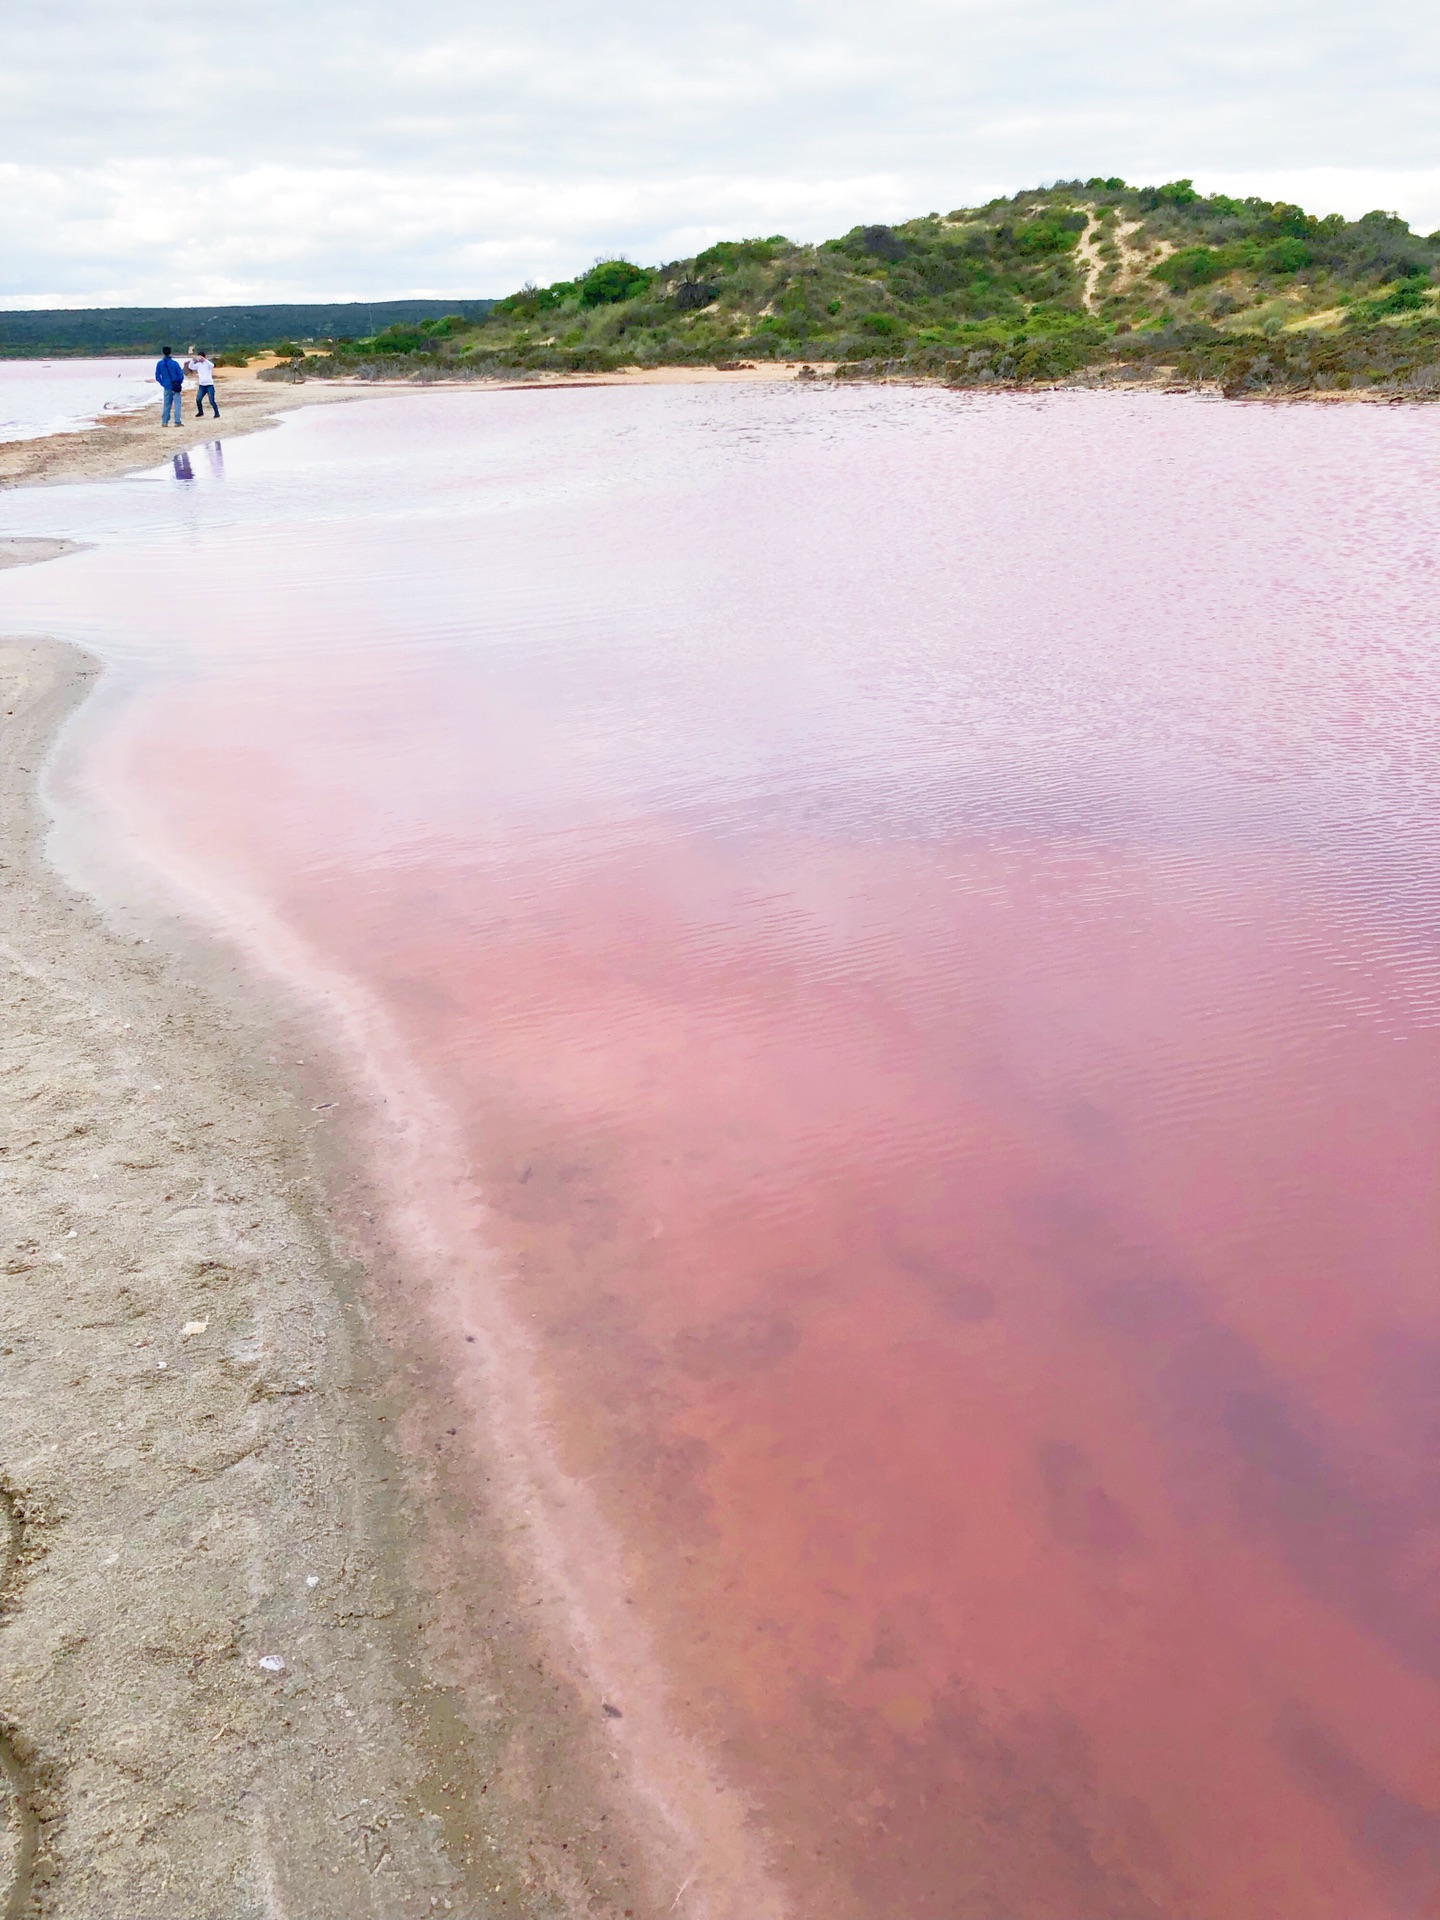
x,y
214,453
925,913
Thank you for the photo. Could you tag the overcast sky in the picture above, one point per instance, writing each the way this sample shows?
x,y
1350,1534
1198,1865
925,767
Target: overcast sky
x,y
338,149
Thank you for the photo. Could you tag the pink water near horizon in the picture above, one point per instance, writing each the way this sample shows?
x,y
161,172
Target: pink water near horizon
x,y
924,914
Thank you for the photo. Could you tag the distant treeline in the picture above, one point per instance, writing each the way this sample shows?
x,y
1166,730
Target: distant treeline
x,y
52,333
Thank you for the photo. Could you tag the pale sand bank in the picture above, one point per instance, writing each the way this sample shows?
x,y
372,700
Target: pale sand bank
x,y
199,1373
23,550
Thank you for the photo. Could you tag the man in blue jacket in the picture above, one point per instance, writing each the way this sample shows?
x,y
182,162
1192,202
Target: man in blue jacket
x,y
171,376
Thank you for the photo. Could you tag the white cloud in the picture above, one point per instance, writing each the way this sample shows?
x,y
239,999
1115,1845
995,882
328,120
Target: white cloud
x,y
348,148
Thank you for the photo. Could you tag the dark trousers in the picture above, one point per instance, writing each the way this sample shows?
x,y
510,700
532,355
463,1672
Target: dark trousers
x,y
200,403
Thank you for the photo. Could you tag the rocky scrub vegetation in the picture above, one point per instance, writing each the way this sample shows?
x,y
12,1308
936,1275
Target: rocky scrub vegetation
x,y
1089,280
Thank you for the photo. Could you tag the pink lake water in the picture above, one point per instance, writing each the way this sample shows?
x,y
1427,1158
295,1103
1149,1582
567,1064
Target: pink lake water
x,y
39,397
922,913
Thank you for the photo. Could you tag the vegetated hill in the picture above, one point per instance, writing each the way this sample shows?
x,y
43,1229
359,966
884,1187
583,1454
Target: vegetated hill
x,y
1084,279
52,333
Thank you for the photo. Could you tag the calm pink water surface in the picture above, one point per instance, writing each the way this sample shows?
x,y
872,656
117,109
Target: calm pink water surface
x,y
926,914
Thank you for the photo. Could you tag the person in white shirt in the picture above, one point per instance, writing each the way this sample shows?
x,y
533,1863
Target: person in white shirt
x,y
203,368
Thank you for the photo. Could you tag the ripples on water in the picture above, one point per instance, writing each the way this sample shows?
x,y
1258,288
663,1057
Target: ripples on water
x,y
926,911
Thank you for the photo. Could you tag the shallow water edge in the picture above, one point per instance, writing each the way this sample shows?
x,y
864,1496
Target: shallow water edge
x,y
244,1464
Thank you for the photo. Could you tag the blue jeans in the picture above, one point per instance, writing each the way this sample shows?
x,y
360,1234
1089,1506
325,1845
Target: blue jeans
x,y
172,399
200,403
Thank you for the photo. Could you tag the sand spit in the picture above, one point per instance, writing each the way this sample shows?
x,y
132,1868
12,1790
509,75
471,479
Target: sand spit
x,y
122,442
221,1691
23,550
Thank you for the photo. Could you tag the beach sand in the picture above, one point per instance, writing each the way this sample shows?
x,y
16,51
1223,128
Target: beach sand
x,y
124,442
261,1651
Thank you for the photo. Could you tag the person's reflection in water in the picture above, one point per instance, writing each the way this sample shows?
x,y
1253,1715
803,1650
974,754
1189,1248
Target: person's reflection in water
x,y
183,468
215,452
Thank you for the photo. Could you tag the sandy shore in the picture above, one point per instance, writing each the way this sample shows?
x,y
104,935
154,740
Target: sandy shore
x,y
125,442
186,1495
257,1656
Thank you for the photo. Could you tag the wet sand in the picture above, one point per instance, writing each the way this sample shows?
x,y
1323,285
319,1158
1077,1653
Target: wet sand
x,y
123,442
174,1494
201,1372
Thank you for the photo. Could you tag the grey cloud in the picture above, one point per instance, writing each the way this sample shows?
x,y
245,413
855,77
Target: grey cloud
x,y
326,149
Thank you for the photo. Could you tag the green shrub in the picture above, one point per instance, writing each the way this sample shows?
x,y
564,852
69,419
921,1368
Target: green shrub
x,y
726,255
1409,297
611,281
399,339
531,301
1050,233
1191,267
1286,256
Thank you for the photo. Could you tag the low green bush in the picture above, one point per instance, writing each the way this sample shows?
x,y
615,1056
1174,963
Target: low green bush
x,y
1050,233
611,281
1191,267
1411,296
399,339
1286,256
